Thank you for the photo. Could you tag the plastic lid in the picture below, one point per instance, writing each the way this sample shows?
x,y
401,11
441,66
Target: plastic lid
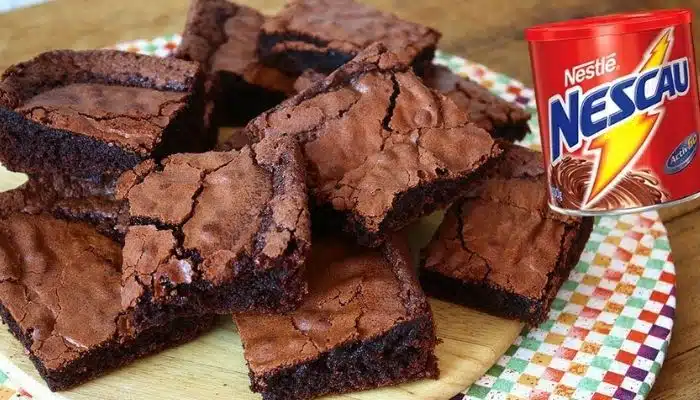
x,y
615,24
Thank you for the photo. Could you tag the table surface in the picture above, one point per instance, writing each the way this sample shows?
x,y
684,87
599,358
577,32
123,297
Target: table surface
x,y
487,31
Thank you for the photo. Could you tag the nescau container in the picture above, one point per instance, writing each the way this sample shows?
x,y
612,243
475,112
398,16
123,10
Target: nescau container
x,y
618,109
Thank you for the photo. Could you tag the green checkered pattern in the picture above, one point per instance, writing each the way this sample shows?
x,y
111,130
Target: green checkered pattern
x,y
609,327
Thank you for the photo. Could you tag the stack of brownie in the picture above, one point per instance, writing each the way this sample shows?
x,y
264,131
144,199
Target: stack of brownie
x,y
135,230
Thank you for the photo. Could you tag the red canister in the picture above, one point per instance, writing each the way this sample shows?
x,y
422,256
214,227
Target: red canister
x,y
618,109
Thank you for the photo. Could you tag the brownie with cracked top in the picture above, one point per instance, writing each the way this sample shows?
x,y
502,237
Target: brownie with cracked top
x,y
60,296
92,115
223,37
325,34
217,232
500,118
502,249
381,148
365,324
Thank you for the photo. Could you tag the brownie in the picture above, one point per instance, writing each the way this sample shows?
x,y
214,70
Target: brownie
x,y
325,34
381,148
500,118
501,249
60,297
232,138
307,79
365,323
223,37
216,232
68,198
93,114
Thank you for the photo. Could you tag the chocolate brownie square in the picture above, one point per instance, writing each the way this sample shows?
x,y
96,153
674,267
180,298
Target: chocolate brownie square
x,y
381,148
501,249
325,34
60,296
223,37
500,118
365,323
94,114
216,232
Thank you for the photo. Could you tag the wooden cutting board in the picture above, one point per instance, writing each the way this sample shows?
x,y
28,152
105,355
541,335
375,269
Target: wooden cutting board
x,y
213,367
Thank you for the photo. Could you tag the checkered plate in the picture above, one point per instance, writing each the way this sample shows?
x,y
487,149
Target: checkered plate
x,y
610,325
611,322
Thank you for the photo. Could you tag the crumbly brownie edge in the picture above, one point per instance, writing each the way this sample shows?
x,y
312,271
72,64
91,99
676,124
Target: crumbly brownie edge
x,y
315,55
105,215
572,244
418,201
187,131
30,147
275,290
479,295
113,354
404,353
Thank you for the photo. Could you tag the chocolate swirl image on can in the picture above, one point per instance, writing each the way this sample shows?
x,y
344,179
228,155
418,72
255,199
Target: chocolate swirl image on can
x,y
571,177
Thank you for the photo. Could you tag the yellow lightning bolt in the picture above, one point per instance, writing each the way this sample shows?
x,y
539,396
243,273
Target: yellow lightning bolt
x,y
618,146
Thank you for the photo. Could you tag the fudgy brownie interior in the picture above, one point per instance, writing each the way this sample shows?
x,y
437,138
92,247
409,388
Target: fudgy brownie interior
x,y
323,35
223,38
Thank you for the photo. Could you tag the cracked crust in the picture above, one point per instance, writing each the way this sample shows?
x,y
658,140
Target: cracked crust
x,y
359,300
97,113
500,118
324,34
381,148
124,116
480,258
216,232
68,198
59,294
223,38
